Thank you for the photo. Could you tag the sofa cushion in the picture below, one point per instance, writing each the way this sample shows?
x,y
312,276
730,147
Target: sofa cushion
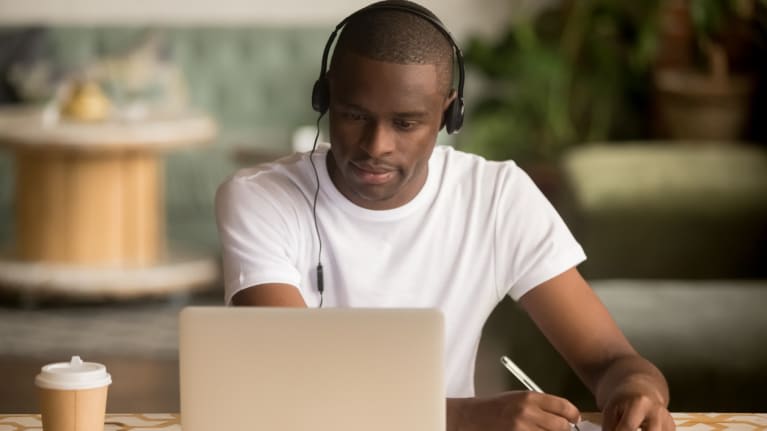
x,y
669,209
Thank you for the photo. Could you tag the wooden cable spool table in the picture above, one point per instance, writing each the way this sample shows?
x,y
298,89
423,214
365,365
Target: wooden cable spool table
x,y
89,206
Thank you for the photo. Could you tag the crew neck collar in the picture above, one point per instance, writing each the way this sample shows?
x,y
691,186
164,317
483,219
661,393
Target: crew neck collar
x,y
331,192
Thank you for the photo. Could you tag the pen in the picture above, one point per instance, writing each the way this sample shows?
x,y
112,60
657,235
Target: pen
x,y
527,381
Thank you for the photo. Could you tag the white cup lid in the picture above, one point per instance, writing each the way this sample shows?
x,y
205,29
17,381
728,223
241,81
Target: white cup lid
x,y
74,374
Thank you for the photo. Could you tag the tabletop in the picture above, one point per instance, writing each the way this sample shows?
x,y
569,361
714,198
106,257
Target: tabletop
x,y
26,127
171,421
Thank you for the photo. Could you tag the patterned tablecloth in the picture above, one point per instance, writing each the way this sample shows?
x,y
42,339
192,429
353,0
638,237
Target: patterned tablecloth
x,y
154,421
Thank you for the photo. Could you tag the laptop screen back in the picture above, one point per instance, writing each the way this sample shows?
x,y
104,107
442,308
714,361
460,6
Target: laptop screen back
x,y
250,368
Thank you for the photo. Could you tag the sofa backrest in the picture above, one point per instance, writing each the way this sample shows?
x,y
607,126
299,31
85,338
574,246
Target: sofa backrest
x,y
256,82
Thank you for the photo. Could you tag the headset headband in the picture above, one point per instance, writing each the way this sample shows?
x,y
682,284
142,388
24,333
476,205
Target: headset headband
x,y
402,7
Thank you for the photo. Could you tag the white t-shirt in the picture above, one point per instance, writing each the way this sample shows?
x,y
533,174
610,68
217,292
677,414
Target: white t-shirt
x,y
477,230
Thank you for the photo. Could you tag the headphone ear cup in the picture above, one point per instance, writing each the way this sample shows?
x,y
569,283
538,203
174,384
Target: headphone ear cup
x,y
321,95
453,117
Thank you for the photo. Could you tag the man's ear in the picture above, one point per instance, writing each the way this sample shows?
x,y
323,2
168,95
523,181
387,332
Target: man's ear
x,y
450,97
446,107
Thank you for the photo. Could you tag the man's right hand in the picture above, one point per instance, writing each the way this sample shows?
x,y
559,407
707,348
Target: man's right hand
x,y
511,411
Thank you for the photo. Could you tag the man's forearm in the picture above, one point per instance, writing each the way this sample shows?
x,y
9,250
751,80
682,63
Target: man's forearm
x,y
453,411
271,295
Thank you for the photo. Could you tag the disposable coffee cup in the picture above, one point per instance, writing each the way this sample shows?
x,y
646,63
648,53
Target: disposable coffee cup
x,y
73,395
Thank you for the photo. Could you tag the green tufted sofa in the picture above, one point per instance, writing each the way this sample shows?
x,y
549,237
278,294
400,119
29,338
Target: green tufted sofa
x,y
690,210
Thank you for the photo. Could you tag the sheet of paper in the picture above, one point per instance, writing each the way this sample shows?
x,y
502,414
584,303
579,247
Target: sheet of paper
x,y
589,426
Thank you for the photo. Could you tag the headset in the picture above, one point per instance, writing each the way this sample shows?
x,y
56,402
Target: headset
x,y
452,117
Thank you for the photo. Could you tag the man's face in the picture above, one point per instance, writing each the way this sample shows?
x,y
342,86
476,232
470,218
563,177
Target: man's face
x,y
384,120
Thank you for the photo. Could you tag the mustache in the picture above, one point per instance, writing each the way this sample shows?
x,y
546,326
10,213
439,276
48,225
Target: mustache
x,y
374,165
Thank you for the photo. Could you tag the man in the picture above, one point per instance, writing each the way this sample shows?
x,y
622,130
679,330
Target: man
x,y
400,223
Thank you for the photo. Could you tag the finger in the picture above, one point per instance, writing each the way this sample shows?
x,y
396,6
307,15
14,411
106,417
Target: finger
x,y
552,422
631,419
561,407
653,422
545,412
669,424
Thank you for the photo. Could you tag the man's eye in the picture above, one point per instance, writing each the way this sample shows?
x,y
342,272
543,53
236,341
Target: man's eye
x,y
404,124
354,116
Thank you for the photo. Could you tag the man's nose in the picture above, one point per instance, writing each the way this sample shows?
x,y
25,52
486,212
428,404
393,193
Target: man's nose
x,y
379,141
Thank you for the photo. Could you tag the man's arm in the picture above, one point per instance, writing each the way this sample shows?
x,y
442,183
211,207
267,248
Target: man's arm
x,y
631,392
269,295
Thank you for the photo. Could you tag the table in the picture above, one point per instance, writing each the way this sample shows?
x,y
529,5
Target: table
x,y
89,205
164,421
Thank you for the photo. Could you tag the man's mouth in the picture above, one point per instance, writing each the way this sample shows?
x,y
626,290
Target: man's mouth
x,y
372,174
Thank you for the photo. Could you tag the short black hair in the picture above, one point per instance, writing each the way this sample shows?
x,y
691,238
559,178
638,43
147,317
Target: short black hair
x,y
398,37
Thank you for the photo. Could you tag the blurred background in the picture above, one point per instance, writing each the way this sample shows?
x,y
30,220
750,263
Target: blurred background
x,y
643,122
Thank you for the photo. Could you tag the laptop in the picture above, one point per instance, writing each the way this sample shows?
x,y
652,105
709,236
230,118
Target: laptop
x,y
287,369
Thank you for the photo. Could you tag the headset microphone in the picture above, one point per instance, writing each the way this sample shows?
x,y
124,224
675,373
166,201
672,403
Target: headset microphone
x,y
320,283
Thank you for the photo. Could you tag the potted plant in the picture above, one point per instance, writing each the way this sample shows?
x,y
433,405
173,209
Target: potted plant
x,y
706,78
574,73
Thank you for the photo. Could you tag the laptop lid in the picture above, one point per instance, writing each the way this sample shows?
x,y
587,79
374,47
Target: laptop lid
x,y
286,369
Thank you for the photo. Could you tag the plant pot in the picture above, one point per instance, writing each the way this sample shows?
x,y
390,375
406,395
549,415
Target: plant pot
x,y
693,106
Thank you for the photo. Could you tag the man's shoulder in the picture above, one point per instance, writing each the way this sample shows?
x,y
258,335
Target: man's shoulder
x,y
460,163
278,177
287,166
